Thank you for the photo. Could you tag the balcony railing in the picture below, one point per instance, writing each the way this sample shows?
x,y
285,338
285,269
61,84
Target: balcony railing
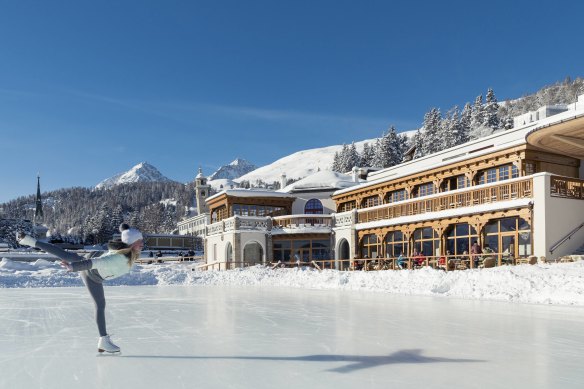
x,y
502,191
303,221
566,187
344,219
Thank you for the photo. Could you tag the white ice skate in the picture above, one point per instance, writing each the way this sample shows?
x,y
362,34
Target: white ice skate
x,y
105,344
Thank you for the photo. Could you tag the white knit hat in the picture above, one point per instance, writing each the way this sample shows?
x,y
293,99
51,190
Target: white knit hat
x,y
131,235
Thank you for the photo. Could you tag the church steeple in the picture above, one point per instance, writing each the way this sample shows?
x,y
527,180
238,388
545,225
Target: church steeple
x,y
201,192
38,212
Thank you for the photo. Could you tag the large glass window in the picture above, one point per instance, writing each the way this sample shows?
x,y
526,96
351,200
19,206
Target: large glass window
x,y
423,190
320,249
459,238
395,196
304,250
396,244
370,246
256,210
282,250
426,241
499,173
370,201
346,206
313,206
456,182
511,237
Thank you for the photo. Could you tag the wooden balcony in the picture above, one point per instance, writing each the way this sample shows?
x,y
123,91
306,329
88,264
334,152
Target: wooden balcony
x,y
566,187
485,194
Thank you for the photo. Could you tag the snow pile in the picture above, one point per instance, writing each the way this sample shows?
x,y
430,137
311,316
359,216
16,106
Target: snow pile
x,y
561,283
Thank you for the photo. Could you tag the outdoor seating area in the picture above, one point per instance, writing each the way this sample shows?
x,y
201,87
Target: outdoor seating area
x,y
443,262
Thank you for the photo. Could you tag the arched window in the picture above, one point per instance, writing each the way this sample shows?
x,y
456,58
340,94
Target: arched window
x,y
395,244
313,207
253,252
370,247
460,238
511,236
426,241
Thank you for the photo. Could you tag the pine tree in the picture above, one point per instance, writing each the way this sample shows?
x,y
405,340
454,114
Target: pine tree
x,y
404,145
368,155
352,157
431,141
396,153
344,159
477,117
449,128
478,127
377,154
491,111
336,167
417,142
464,125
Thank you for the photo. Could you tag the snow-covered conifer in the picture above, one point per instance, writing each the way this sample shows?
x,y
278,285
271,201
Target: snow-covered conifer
x,y
491,111
464,125
431,141
449,128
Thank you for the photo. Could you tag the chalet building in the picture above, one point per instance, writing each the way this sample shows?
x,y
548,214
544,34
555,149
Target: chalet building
x,y
259,226
520,192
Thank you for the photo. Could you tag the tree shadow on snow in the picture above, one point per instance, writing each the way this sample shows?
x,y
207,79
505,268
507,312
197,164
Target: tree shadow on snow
x,y
356,362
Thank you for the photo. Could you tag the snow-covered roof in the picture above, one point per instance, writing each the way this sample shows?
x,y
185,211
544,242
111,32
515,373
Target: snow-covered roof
x,y
253,192
323,180
476,148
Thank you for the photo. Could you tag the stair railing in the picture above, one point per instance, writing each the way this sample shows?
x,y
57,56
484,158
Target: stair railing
x,y
565,238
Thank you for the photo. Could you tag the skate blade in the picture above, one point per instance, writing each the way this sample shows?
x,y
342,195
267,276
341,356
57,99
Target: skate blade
x,y
103,353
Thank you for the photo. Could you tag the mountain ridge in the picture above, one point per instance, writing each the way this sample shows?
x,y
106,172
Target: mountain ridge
x,y
142,172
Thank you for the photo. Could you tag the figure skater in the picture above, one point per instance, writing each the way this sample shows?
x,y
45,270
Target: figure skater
x,y
114,263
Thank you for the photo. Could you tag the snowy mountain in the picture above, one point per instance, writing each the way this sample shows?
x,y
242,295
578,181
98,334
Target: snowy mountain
x,y
142,172
235,169
302,163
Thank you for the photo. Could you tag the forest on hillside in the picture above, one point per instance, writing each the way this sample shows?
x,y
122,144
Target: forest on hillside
x,y
439,131
93,215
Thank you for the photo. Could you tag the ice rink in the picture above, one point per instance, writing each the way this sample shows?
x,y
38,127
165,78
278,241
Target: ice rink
x,y
254,337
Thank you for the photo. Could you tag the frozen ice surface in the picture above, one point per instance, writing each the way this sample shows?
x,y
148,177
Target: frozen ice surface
x,y
258,337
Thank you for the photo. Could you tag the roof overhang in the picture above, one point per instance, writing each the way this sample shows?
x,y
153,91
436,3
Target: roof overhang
x,y
565,137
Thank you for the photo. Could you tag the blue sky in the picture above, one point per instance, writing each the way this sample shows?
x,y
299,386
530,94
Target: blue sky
x,y
88,89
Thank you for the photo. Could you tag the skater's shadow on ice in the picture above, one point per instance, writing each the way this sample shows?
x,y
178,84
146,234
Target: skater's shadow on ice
x,y
357,362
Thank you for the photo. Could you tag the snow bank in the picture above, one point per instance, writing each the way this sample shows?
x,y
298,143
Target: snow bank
x,y
561,283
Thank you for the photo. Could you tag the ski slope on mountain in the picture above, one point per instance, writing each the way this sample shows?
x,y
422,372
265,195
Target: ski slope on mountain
x,y
299,164
304,163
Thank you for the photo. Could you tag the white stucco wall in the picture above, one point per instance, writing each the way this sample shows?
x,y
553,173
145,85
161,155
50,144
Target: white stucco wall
x,y
553,219
219,255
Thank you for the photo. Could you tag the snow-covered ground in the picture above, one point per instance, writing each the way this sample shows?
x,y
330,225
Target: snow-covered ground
x,y
295,328
557,283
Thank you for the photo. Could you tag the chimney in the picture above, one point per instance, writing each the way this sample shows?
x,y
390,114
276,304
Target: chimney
x,y
283,181
355,174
